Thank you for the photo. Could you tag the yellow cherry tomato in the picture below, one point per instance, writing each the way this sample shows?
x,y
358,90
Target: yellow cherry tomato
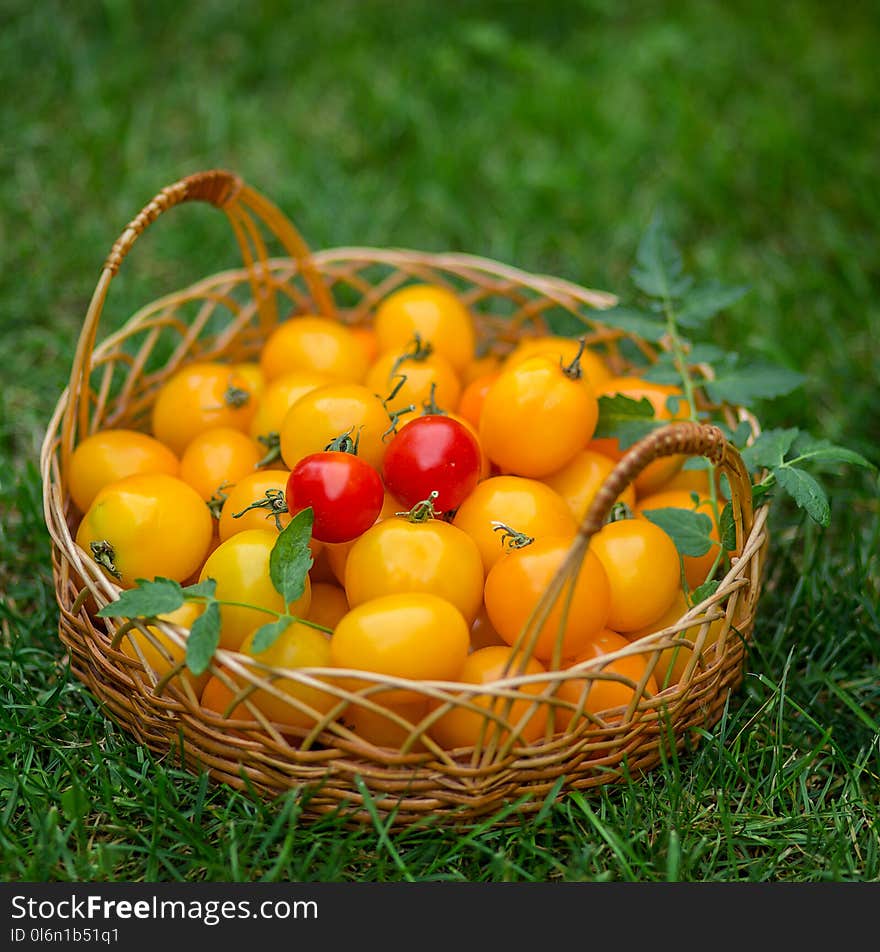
x,y
461,726
657,472
643,569
581,478
564,350
399,556
337,552
536,417
416,636
673,662
141,527
518,580
278,397
109,455
696,567
250,370
264,485
428,374
693,480
389,726
366,337
166,654
316,344
524,505
217,697
240,567
436,314
199,397
324,414
483,366
598,695
298,646
329,604
216,459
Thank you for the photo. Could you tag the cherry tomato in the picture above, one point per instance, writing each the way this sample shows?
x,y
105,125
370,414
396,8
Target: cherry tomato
x,y
240,567
461,726
429,454
581,478
696,567
536,417
326,413
643,570
160,652
313,343
481,367
525,505
427,373
329,604
415,636
199,397
562,350
251,372
145,526
235,516
302,704
366,338
337,555
278,397
436,314
482,632
344,492
109,455
518,580
659,470
398,555
217,458
216,697
597,695
673,662
390,725
470,406
404,418
693,480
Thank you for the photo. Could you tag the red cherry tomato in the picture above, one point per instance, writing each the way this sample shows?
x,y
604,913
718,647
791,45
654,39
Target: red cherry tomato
x,y
432,453
344,492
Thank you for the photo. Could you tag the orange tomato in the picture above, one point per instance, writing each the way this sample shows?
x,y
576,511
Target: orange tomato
x,y
366,337
109,455
337,552
461,726
313,343
519,579
383,727
470,406
643,569
427,374
199,397
536,417
581,478
329,604
525,505
601,696
481,367
278,397
216,697
564,350
436,314
217,458
482,632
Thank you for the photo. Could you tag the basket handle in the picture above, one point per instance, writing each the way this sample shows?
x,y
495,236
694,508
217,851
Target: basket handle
x,y
244,208
684,438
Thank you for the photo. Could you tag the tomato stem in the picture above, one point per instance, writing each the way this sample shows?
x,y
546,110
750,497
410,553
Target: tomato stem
x,y
510,538
274,501
344,443
218,497
104,555
619,512
574,370
429,406
417,349
422,511
272,442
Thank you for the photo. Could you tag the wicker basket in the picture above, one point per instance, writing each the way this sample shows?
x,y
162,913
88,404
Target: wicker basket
x,y
227,316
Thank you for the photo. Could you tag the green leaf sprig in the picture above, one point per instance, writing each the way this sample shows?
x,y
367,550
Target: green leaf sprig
x,y
289,564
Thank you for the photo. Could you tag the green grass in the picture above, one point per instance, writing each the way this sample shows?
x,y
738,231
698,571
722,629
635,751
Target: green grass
x,y
543,139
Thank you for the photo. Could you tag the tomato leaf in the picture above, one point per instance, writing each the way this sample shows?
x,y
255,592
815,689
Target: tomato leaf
x,y
704,591
727,528
744,384
291,558
769,449
705,300
689,530
625,419
808,448
643,324
146,600
267,635
658,271
204,589
806,492
203,639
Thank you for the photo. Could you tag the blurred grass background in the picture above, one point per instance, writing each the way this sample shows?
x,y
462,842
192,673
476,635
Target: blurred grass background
x,y
540,135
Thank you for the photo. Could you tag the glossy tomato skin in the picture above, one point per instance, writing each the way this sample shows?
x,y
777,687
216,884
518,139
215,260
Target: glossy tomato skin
x,y
344,492
432,453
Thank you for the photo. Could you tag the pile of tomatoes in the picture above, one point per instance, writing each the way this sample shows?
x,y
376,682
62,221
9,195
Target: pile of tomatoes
x,y
446,489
